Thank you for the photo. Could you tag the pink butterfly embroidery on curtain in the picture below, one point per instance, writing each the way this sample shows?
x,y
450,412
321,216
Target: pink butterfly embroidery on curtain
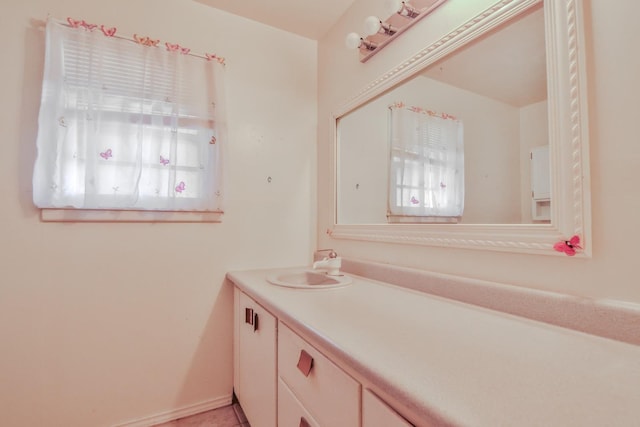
x,y
107,154
180,187
77,23
177,48
145,41
109,32
74,23
80,23
172,47
164,161
211,57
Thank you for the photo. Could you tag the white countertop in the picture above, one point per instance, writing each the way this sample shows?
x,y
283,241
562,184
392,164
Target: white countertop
x,y
436,359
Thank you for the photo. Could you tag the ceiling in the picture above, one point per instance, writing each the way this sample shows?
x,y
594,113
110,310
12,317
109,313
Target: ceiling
x,y
508,64
308,18
504,64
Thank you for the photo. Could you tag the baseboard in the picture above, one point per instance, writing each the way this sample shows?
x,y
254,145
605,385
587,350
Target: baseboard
x,y
174,414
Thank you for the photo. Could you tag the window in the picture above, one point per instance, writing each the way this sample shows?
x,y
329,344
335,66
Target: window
x,y
426,177
126,125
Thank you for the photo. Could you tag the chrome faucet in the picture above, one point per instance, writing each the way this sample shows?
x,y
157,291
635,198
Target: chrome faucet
x,y
331,263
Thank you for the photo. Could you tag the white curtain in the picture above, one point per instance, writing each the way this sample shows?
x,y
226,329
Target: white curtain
x,y
127,126
426,176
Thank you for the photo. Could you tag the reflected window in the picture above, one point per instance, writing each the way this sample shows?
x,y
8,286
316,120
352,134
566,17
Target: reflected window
x,y
426,177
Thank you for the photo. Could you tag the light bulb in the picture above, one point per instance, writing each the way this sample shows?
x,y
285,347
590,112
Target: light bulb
x,y
372,25
401,7
392,6
353,40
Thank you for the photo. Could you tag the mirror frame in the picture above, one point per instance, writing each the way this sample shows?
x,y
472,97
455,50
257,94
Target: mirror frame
x,y
568,140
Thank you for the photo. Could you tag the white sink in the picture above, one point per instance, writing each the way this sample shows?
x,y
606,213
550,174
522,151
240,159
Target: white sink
x,y
307,279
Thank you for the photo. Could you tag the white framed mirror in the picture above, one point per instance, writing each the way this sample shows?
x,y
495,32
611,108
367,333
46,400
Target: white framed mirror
x,y
501,213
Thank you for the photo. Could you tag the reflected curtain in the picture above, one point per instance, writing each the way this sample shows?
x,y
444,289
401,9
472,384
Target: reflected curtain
x,y
426,164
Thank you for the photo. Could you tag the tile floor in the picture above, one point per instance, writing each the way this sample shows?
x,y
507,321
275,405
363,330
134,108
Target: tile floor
x,y
228,416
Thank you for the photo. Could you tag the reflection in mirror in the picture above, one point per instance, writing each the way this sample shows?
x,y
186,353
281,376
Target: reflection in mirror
x,y
509,205
426,169
497,87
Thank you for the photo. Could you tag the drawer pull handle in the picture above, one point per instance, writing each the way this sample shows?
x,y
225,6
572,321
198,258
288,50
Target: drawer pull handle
x,y
304,423
255,322
248,315
305,363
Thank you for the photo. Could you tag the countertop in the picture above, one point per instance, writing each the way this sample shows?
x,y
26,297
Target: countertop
x,y
446,362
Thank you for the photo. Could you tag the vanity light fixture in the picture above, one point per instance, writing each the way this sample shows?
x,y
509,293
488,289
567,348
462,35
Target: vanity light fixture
x,y
374,25
354,41
378,33
400,7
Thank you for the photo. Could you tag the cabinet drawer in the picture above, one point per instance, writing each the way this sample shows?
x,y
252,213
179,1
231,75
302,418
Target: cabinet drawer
x,y
329,394
291,413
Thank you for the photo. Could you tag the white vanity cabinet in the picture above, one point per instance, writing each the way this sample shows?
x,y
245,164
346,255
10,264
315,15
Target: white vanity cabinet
x,y
376,413
371,353
255,360
291,412
323,390
281,380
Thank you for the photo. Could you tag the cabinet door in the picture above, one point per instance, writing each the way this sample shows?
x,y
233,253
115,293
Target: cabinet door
x,y
255,361
376,413
540,184
540,173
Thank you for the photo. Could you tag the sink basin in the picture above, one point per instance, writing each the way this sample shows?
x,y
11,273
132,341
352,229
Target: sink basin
x,y
307,279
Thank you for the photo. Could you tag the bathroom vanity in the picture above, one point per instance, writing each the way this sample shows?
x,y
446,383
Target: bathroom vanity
x,y
369,353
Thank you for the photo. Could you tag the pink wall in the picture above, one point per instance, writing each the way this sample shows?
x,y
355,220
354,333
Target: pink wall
x,y
103,324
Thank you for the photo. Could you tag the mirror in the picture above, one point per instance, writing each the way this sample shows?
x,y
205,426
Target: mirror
x,y
514,75
497,87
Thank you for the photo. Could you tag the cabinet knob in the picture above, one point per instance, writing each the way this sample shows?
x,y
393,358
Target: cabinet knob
x,y
304,423
305,363
255,322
